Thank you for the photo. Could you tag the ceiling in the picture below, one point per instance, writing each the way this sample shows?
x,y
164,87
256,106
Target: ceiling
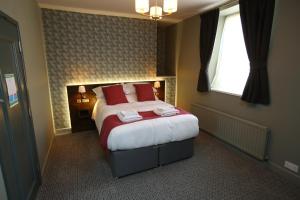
x,y
186,8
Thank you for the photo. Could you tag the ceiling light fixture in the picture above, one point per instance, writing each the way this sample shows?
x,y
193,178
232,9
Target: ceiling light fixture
x,y
156,12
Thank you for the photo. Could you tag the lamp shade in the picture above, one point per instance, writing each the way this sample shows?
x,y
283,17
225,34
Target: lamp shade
x,y
156,12
156,84
142,6
170,6
81,89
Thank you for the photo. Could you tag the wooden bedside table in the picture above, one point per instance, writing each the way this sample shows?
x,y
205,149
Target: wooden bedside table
x,y
81,112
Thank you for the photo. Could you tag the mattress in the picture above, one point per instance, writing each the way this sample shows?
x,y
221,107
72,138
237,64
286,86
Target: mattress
x,y
146,132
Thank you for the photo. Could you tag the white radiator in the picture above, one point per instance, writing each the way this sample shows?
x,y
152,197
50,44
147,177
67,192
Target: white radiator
x,y
245,135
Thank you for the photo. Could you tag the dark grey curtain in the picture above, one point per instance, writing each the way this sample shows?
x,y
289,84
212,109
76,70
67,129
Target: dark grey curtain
x,y
257,18
208,30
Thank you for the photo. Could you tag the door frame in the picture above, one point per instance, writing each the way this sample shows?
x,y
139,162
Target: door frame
x,y
21,72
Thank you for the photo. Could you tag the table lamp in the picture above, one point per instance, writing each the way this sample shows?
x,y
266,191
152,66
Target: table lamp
x,y
81,90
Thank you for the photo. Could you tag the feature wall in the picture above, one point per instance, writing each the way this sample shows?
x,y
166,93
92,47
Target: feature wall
x,y
86,48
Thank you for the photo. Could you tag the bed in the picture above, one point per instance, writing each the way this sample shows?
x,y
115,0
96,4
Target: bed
x,y
145,144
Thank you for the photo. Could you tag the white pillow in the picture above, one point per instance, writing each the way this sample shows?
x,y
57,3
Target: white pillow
x,y
129,88
131,98
99,93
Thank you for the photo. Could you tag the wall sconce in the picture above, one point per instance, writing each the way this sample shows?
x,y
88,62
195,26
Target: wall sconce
x,y
156,86
82,91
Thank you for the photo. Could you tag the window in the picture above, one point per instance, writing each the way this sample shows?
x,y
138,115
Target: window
x,y
232,66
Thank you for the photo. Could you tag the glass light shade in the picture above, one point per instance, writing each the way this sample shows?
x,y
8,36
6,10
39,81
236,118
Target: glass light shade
x,y
156,12
142,6
81,89
156,84
170,6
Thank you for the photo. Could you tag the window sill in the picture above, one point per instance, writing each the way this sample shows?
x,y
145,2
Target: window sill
x,y
227,93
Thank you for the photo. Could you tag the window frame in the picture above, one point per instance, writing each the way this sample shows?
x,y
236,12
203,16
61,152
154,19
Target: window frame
x,y
217,46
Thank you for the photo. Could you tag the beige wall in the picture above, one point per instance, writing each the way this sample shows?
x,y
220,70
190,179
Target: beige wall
x,y
28,15
282,116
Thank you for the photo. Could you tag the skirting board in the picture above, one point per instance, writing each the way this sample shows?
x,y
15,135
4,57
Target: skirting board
x,y
234,148
66,131
47,155
281,171
63,131
284,172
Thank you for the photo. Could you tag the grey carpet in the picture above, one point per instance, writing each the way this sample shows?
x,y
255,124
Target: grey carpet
x,y
77,170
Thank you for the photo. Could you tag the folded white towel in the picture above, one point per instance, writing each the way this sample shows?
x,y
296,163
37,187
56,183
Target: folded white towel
x,y
129,116
129,113
165,108
164,112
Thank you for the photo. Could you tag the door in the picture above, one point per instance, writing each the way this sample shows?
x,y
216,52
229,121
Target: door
x,y
18,155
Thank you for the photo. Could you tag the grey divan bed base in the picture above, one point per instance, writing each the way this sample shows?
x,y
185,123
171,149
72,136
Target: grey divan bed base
x,y
127,162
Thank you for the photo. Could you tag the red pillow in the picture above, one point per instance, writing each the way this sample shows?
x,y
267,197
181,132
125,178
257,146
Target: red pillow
x,y
114,94
144,92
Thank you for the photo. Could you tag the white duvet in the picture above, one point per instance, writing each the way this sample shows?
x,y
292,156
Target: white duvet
x,y
146,132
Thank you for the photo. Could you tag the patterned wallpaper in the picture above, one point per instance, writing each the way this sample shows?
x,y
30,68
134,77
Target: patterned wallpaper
x,y
85,48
